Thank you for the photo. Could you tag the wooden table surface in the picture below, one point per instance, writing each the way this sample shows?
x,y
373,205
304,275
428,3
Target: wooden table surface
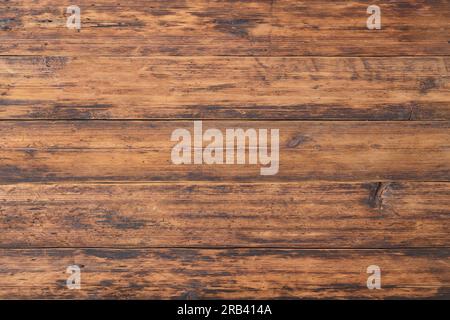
x,y
86,176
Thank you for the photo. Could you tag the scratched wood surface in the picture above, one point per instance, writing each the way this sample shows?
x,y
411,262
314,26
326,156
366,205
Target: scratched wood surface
x,y
35,151
307,215
204,27
227,273
86,176
232,88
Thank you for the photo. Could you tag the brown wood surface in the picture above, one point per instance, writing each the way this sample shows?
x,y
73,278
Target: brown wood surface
x,y
203,27
307,215
86,176
247,273
141,151
232,88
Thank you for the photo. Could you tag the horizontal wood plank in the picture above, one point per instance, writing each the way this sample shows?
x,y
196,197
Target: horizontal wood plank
x,y
40,151
256,28
231,88
307,215
243,273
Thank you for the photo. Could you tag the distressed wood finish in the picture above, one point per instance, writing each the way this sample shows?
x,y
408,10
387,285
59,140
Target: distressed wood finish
x,y
86,176
141,151
233,88
307,215
243,273
256,28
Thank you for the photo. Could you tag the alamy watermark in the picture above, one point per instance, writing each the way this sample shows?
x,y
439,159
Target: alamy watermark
x,y
74,20
374,280
229,147
74,280
374,21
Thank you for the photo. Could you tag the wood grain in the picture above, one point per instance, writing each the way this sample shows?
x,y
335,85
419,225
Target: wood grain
x,y
86,175
203,27
246,273
306,215
231,88
44,151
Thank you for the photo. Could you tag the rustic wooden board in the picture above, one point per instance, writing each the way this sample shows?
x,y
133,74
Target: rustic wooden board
x,y
243,273
203,27
141,151
307,215
232,88
86,175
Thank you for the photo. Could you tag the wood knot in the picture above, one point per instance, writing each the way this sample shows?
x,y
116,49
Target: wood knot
x,y
427,85
376,195
298,140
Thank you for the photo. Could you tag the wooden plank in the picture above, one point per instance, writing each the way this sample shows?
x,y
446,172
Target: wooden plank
x,y
243,273
232,88
40,151
204,27
307,215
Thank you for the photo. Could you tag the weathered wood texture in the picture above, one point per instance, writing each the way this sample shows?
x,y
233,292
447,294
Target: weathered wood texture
x,y
307,215
243,273
40,151
232,88
103,194
257,28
